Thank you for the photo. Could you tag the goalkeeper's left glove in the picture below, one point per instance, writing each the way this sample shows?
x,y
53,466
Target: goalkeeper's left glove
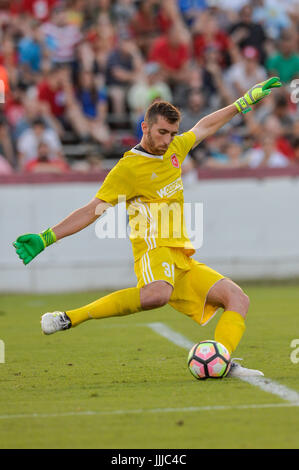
x,y
256,94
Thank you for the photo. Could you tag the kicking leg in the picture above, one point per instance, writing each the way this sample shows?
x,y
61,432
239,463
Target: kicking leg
x,y
123,302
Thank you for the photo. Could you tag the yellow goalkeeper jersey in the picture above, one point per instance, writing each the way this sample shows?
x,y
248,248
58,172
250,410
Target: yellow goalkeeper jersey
x,y
153,188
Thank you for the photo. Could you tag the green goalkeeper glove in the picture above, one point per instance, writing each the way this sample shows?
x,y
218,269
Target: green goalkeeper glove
x,y
256,94
30,245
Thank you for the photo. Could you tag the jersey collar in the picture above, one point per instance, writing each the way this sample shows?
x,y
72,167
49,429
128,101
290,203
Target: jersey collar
x,y
141,151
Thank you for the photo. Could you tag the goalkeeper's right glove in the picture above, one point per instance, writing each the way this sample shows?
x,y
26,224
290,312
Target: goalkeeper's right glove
x,y
30,245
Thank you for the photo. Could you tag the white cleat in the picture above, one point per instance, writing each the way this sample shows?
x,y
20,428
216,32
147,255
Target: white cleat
x,y
237,370
55,321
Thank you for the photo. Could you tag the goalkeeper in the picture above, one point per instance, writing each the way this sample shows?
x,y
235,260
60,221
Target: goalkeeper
x,y
165,269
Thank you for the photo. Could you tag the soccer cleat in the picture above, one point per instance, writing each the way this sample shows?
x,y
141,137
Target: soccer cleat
x,y
236,370
55,321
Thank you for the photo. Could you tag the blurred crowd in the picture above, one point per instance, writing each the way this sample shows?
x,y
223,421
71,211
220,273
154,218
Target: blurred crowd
x,y
79,74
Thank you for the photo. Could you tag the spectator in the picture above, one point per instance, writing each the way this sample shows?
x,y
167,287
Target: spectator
x,y
88,110
168,14
14,107
39,9
273,127
55,94
75,12
282,109
123,67
97,46
28,142
194,110
22,111
172,51
30,50
5,167
60,37
219,94
44,161
190,8
144,25
215,146
245,32
267,155
123,11
207,35
201,78
285,63
272,15
51,92
149,87
232,157
9,63
245,73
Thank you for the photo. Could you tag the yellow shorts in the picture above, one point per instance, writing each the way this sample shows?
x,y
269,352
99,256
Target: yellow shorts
x,y
191,280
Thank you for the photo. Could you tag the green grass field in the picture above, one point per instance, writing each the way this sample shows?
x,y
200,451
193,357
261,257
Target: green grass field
x,y
135,384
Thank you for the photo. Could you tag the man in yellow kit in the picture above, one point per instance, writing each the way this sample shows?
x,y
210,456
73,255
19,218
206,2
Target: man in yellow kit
x,y
148,175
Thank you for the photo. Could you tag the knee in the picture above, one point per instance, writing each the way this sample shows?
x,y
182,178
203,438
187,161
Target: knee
x,y
245,302
154,296
159,299
238,301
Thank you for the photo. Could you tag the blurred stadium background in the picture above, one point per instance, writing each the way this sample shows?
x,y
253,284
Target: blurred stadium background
x,y
78,76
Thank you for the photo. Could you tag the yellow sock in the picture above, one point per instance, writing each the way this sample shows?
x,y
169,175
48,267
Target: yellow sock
x,y
122,302
229,330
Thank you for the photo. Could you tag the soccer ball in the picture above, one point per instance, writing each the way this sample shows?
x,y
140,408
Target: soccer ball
x,y
209,359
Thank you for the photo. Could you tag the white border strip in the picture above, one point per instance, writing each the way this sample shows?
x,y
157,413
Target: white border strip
x,y
263,383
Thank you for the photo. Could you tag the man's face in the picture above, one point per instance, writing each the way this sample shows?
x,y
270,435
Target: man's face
x,y
60,18
158,136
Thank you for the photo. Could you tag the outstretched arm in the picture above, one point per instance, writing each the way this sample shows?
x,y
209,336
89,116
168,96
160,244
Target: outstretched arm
x,y
28,246
211,123
80,218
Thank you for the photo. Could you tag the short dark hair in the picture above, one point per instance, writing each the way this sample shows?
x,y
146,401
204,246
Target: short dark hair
x,y
164,109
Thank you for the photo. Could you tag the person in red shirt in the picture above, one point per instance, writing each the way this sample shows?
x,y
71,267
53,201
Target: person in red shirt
x,y
172,52
144,25
43,163
38,9
207,35
51,91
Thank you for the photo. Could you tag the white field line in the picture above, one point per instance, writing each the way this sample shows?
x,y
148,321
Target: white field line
x,y
190,409
263,383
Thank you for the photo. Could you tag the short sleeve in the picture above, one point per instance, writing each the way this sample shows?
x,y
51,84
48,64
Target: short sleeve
x,y
182,144
120,181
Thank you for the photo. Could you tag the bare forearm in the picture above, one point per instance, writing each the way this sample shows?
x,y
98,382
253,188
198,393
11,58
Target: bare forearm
x,y
213,122
79,219
210,124
75,222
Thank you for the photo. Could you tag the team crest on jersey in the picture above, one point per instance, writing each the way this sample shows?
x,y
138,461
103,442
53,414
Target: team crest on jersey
x,y
175,161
